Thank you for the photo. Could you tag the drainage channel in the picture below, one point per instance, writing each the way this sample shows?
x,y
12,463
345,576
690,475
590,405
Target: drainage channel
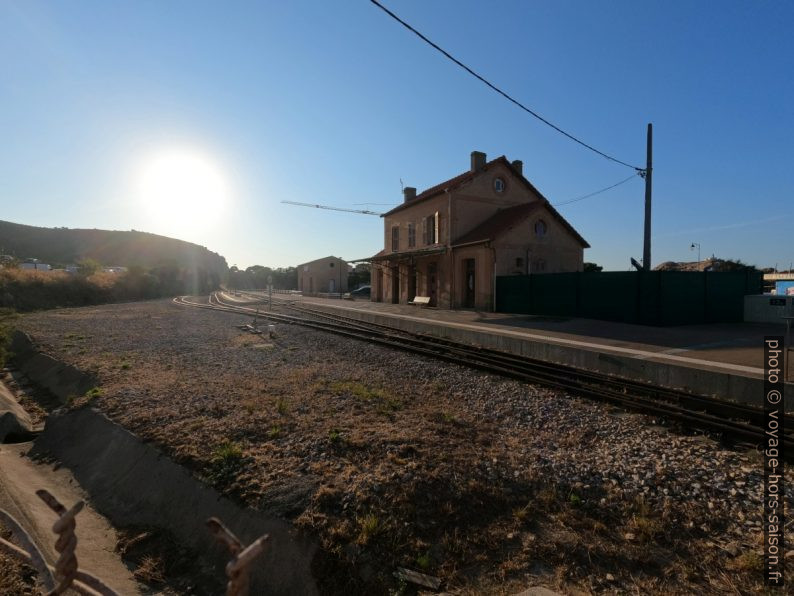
x,y
127,483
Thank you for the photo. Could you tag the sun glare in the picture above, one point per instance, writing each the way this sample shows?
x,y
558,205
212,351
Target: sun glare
x,y
182,189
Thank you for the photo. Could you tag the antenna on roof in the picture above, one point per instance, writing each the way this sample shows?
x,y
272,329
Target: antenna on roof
x,y
402,186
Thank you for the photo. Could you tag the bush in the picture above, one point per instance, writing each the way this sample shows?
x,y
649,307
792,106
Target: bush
x,y
30,290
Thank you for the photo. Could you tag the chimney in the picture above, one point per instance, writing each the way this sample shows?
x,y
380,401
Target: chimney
x,y
409,194
477,161
518,166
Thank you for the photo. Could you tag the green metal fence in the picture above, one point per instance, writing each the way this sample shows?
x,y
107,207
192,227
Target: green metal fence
x,y
642,297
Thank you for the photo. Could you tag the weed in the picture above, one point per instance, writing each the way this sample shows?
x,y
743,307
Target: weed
x,y
522,513
389,405
226,451
574,499
150,570
386,402
125,365
424,561
547,496
282,407
436,386
369,527
749,562
226,464
646,527
358,390
93,393
335,436
275,432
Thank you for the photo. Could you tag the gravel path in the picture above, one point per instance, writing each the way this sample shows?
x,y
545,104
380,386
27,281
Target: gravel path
x,y
395,460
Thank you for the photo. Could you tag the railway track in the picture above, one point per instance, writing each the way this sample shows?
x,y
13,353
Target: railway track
x,y
731,421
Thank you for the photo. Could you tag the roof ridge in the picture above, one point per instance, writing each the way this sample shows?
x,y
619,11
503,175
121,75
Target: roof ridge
x,y
451,183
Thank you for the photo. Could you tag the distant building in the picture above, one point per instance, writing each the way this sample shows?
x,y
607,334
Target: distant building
x,y
451,241
35,266
327,275
114,269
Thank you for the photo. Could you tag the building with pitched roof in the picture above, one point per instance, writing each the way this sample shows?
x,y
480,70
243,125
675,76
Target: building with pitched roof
x,y
326,275
450,242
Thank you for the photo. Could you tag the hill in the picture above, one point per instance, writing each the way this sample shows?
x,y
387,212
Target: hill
x,y
64,246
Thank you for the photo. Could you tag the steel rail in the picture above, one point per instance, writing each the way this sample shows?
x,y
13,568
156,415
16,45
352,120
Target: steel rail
x,y
553,371
689,400
617,394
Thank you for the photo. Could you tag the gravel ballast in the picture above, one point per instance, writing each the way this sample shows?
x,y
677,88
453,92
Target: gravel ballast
x,y
394,460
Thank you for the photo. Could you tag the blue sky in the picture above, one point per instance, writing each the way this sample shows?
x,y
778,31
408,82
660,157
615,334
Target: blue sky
x,y
335,103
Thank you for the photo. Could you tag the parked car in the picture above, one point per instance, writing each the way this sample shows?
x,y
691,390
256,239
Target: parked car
x,y
362,292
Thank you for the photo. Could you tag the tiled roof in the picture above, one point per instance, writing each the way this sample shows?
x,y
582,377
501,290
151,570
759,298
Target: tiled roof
x,y
504,219
469,175
408,254
448,184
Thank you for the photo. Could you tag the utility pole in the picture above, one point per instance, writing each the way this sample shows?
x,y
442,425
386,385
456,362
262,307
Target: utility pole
x,y
646,249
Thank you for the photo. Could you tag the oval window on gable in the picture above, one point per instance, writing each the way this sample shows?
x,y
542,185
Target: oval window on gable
x,y
540,228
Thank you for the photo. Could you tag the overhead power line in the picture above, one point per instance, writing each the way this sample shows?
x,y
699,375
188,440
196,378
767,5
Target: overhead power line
x,y
363,211
498,90
592,194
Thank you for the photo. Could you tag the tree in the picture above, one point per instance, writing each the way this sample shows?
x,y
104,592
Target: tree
x,y
736,265
88,267
592,268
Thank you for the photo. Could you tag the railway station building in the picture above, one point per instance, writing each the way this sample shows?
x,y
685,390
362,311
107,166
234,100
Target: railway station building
x,y
326,275
449,242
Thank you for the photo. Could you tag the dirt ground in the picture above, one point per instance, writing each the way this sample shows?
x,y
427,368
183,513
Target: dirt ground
x,y
16,578
392,460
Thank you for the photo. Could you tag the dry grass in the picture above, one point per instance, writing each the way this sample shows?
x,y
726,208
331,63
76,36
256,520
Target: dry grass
x,y
382,476
165,566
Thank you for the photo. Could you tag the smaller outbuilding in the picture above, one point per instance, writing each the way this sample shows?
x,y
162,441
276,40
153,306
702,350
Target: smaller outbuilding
x,y
326,275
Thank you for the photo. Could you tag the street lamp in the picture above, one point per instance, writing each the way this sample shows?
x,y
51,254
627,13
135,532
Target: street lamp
x,y
694,244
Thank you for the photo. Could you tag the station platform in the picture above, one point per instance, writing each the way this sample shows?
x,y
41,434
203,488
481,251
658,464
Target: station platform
x,y
722,360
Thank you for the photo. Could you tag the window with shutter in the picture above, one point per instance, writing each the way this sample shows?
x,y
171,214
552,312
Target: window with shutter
x,y
395,239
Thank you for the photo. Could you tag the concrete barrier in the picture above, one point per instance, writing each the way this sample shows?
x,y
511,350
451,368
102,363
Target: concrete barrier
x,y
15,424
131,483
62,380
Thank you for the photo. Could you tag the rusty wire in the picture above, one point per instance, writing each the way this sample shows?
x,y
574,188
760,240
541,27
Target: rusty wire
x,y
64,526
66,572
28,553
67,575
237,569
